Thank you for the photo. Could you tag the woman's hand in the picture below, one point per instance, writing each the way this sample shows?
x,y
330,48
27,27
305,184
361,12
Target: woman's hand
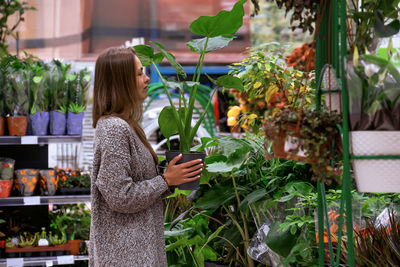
x,y
184,172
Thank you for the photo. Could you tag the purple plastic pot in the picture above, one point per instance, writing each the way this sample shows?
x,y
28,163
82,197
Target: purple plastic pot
x,y
39,122
58,122
74,123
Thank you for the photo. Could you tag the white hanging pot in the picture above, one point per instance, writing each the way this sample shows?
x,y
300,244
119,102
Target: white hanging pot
x,y
332,89
376,175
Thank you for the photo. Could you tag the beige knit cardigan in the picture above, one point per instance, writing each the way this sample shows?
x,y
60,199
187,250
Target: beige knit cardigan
x,y
127,227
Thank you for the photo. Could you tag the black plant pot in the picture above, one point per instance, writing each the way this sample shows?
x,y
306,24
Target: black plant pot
x,y
214,264
39,122
185,158
75,191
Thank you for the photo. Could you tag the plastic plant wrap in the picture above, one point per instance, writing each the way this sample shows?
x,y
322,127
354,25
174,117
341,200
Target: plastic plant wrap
x,y
6,168
374,95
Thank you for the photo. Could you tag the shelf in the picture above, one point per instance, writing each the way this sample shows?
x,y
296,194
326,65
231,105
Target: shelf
x,y
43,200
43,261
39,140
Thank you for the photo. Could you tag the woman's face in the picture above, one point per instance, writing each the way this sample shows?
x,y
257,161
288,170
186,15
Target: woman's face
x,y
141,79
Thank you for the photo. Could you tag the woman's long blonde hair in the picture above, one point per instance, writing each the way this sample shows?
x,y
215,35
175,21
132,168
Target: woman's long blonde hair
x,y
115,92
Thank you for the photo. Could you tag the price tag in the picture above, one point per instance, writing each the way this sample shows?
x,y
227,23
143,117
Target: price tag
x,y
49,263
29,201
29,140
15,262
65,259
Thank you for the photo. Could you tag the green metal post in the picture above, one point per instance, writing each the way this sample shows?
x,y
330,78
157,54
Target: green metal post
x,y
321,58
345,140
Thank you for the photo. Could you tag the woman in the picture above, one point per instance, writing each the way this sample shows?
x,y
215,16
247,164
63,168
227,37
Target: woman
x,y
127,226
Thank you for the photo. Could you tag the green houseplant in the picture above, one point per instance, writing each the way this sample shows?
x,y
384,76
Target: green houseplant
x,y
310,136
375,121
17,99
59,96
78,85
2,110
177,118
39,92
8,9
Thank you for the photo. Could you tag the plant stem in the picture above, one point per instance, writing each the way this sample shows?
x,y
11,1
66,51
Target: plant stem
x,y
233,246
174,112
250,261
193,96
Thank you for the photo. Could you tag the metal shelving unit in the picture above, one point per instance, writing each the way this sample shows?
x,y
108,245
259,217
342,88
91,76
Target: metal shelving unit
x,y
32,152
39,140
42,261
43,200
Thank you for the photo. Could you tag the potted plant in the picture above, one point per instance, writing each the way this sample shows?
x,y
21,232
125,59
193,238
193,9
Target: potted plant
x,y
269,86
59,97
310,136
27,180
75,182
17,101
375,122
48,182
6,176
2,108
177,118
78,85
39,115
73,222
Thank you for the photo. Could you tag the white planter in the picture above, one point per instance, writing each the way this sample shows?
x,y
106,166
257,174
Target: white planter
x,y
376,175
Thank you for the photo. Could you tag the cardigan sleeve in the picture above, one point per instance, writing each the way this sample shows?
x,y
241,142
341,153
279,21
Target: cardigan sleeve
x,y
119,190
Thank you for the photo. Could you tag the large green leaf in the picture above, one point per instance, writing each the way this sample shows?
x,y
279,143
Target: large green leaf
x,y
180,85
229,81
281,242
382,30
384,63
167,123
221,167
253,197
224,23
145,54
215,197
229,146
214,43
176,232
171,59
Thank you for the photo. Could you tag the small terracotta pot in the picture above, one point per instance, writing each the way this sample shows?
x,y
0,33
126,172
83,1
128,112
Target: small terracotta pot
x,y
2,126
5,188
74,246
17,125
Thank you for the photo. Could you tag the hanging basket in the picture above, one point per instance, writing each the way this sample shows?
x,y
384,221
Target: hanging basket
x,y
376,175
287,145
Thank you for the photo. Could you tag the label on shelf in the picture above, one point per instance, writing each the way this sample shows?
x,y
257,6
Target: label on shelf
x,y
65,259
29,140
15,262
29,201
49,263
